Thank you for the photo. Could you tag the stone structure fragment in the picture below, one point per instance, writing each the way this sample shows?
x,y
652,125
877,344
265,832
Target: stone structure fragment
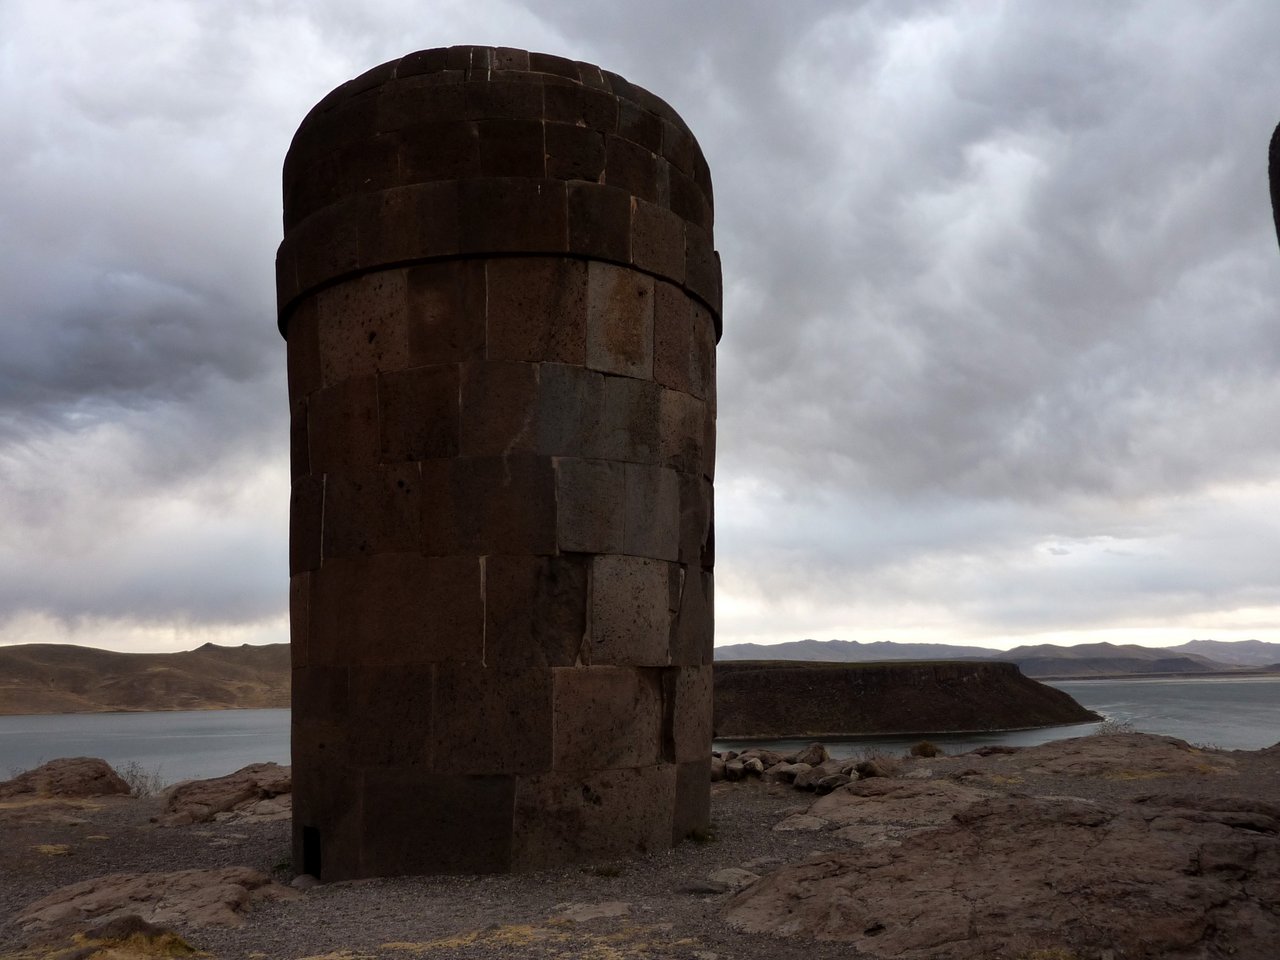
x,y
502,302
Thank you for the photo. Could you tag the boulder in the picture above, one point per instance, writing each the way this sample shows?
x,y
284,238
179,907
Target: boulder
x,y
67,777
717,769
260,791
734,770
813,754
786,772
833,782
1021,876
753,766
190,898
809,778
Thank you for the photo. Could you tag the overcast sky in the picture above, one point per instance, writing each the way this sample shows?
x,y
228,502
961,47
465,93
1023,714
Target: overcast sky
x,y
1001,360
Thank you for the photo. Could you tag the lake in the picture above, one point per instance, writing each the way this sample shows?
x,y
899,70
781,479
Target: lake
x,y
1239,713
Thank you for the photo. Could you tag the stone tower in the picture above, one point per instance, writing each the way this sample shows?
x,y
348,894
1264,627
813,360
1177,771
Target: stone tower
x,y
502,302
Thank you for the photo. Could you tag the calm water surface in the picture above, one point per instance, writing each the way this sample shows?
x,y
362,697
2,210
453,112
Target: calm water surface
x,y
1235,714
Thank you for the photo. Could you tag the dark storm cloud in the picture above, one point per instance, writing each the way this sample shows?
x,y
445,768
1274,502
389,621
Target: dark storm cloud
x,y
1002,331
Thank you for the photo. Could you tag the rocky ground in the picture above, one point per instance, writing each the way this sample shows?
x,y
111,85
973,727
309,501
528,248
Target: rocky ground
x,y
1122,846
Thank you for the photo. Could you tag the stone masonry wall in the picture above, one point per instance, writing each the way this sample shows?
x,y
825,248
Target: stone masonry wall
x,y
502,302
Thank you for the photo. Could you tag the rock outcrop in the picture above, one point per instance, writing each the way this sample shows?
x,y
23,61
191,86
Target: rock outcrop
x,y
953,861
260,791
776,698
65,778
189,898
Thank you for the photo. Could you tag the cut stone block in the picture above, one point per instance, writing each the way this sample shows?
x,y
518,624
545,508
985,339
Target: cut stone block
x,y
409,222
492,718
600,222
485,505
434,150
687,696
693,633
537,310
327,805
627,421
499,408
445,311
630,616
630,167
513,215
397,608
304,350
695,517
673,355
657,240
564,818
393,710
693,798
682,431
591,501
652,513
606,717
299,447
342,426
299,611
569,410
306,510
373,511
619,321
535,611
418,413
574,153
361,326
417,822
512,147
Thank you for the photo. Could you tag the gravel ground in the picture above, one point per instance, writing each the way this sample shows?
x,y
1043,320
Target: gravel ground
x,y
669,911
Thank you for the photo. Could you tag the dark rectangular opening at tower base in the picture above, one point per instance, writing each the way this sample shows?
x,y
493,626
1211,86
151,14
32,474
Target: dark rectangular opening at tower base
x,y
311,851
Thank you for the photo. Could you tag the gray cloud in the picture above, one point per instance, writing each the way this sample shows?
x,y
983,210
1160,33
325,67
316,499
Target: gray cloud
x,y
1001,339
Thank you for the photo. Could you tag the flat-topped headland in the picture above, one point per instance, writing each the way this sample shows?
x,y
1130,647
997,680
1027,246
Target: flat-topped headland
x,y
787,698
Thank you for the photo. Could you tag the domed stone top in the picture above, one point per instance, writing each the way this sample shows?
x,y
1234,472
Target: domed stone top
x,y
480,150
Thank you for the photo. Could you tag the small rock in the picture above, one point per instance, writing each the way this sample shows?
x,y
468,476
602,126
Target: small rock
x,y
871,768
753,766
304,881
734,878
582,912
920,773
809,778
801,822
733,770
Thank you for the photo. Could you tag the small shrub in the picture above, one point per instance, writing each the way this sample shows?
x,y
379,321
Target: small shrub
x,y
142,782
1111,728
926,749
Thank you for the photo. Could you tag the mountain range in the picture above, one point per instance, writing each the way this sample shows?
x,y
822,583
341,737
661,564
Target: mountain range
x,y
1042,660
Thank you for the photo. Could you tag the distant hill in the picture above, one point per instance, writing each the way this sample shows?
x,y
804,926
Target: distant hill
x,y
1243,653
1041,660
848,651
63,678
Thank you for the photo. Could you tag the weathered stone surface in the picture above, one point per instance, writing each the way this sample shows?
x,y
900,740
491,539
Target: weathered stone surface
x,y
619,321
494,719
537,310
372,511
687,693
484,505
651,512
575,817
418,413
361,327
535,610
1028,876
591,505
260,791
606,717
630,618
397,608
67,777
194,898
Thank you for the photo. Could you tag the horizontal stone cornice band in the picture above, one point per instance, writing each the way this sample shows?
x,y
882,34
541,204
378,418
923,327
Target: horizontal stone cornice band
x,y
496,216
